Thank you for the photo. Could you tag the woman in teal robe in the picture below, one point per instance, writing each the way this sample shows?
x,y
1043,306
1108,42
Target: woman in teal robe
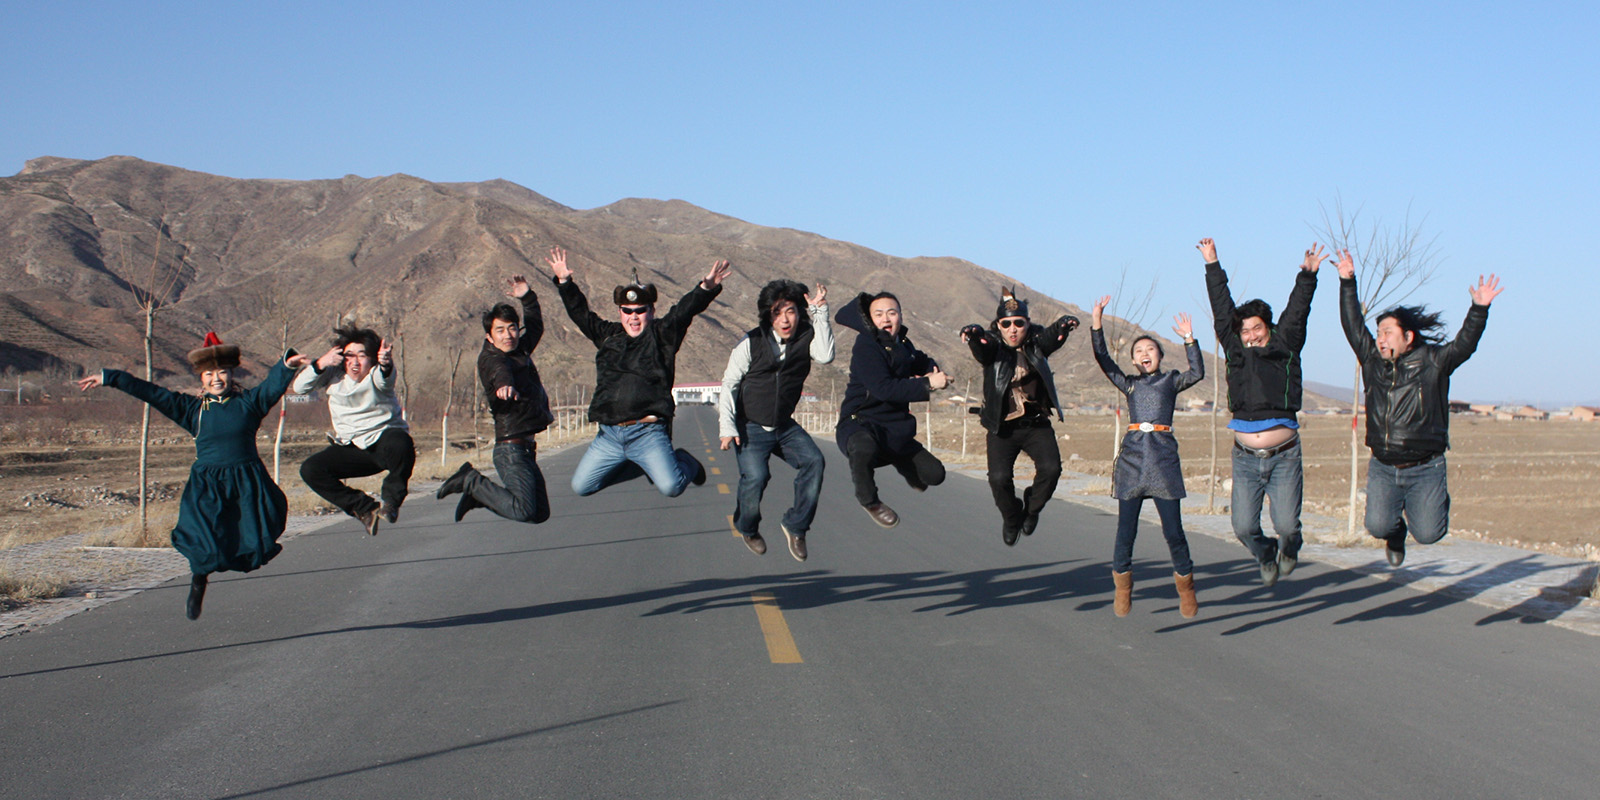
x,y
231,513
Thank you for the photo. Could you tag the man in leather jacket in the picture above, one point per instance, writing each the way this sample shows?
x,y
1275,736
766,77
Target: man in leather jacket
x,y
1264,393
635,363
1406,370
1019,394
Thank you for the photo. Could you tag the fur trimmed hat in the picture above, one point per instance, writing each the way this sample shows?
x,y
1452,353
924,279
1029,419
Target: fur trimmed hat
x,y
635,293
213,354
1010,306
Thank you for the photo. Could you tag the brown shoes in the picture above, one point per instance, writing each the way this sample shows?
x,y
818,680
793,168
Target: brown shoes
x,y
1188,606
756,544
369,520
882,514
1123,602
797,544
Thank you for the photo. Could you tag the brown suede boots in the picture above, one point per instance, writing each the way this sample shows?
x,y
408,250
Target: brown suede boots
x,y
1188,606
1124,599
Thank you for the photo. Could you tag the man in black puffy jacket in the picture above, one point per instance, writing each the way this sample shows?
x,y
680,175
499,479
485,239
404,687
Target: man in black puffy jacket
x,y
1406,371
634,363
1264,397
1019,395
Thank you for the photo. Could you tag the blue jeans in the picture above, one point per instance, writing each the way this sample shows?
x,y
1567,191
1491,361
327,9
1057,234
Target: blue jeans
x,y
791,443
523,498
1279,476
1414,499
645,444
1171,528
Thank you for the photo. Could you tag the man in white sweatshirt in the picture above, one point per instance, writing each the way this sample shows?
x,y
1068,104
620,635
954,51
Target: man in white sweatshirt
x,y
369,433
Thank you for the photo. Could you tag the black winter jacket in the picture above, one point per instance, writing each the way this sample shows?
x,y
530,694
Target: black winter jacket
x,y
1263,382
530,412
634,375
1000,364
878,398
1408,399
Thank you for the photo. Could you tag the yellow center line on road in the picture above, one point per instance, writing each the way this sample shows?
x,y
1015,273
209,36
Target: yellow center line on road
x,y
734,530
716,470
710,458
780,645
722,488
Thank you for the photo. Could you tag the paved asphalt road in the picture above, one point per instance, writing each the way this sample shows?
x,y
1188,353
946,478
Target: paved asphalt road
x,y
631,647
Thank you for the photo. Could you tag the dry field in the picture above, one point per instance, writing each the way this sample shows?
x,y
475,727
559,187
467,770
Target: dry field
x,y
1521,483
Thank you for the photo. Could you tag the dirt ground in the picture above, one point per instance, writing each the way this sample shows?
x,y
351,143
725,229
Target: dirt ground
x,y
1522,483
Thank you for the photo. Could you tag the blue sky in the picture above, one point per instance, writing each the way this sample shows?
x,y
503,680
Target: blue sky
x,y
1056,142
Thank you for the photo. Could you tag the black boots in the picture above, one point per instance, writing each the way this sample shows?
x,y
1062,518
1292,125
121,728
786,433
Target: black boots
x,y
197,595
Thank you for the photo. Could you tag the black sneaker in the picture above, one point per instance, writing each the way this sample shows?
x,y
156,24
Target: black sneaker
x,y
467,503
455,483
699,478
1395,551
197,596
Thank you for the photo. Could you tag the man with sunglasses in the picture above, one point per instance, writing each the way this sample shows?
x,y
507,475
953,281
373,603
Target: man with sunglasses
x,y
1019,393
635,361
521,410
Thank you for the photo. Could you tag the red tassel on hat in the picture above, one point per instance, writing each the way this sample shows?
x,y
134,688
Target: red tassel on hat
x,y
211,339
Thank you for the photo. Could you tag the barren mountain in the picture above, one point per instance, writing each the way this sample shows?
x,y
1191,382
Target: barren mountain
x,y
419,261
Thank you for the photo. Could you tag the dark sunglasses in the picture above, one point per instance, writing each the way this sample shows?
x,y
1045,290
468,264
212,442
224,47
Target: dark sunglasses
x,y
634,311
1013,323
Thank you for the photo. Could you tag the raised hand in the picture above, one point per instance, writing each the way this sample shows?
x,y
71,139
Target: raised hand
x,y
1208,249
558,264
1314,258
297,361
518,285
333,358
1183,325
1099,311
1072,323
1486,290
385,358
820,298
90,381
719,272
1346,265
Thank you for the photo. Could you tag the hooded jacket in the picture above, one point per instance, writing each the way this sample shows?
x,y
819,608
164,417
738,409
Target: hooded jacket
x,y
882,388
999,362
1408,399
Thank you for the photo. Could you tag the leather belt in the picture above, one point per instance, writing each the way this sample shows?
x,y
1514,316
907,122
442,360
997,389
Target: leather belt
x,y
527,440
648,418
1266,452
1148,427
1410,464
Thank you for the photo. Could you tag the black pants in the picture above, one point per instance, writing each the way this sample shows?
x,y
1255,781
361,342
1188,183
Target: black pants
x,y
921,469
326,471
1039,442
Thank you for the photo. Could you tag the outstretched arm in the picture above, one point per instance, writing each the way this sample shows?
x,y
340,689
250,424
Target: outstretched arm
x,y
532,315
1055,336
1183,325
180,408
589,323
1292,325
982,345
1351,315
1097,342
1222,306
1466,342
822,343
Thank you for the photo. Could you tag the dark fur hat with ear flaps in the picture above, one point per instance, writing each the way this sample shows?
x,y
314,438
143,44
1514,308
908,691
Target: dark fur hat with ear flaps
x,y
635,293
1010,306
213,354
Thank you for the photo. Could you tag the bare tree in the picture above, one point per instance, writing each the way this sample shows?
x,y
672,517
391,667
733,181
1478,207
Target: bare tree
x,y
158,285
1392,262
277,304
1122,319
454,356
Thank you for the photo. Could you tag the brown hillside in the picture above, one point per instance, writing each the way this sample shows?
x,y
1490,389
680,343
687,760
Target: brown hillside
x,y
419,261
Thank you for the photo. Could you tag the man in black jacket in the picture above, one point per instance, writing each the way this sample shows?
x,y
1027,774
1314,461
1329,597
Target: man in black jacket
x,y
520,408
876,428
1406,371
1019,394
635,361
755,413
1264,396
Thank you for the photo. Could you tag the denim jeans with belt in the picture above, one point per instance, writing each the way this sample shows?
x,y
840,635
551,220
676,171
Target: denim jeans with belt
x,y
1279,477
523,497
645,444
1414,499
791,443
